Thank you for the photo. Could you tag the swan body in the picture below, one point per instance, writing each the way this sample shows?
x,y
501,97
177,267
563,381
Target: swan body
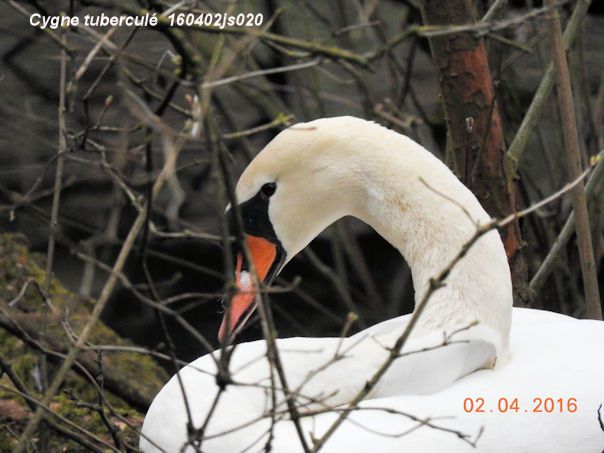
x,y
538,342
306,178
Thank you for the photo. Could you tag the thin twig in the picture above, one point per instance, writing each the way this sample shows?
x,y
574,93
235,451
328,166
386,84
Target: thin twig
x,y
26,395
96,312
568,229
573,159
494,10
267,323
435,284
533,113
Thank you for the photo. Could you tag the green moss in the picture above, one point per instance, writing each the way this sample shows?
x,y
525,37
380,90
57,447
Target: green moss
x,y
18,266
5,441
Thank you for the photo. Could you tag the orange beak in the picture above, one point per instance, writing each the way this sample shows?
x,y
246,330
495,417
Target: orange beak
x,y
263,254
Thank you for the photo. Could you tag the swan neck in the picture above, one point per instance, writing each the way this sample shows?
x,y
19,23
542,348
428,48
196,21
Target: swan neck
x,y
416,203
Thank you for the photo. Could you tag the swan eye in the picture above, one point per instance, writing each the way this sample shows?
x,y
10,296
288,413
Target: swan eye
x,y
268,189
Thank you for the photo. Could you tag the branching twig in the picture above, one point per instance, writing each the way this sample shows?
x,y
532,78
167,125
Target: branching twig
x,y
547,265
96,312
29,400
530,120
435,284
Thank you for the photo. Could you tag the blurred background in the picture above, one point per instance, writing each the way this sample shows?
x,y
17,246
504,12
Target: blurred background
x,y
256,86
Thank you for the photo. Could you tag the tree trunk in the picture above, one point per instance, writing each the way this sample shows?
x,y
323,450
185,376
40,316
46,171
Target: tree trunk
x,y
475,134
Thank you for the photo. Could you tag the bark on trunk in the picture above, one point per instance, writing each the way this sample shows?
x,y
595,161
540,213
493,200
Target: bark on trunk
x,y
475,134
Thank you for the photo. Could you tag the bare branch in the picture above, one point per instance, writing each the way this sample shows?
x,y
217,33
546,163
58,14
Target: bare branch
x,y
573,159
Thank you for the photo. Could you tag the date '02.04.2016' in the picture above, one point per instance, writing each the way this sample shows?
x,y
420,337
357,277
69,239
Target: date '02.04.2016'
x,y
512,405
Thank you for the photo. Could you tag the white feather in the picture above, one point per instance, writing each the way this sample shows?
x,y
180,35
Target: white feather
x,y
346,166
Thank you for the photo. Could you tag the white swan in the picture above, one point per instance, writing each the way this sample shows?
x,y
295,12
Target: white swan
x,y
306,178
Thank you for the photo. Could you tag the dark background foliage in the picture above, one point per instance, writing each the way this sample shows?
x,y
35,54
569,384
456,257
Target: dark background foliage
x,y
373,280
127,91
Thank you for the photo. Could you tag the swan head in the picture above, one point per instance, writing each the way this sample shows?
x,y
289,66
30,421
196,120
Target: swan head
x,y
314,173
299,184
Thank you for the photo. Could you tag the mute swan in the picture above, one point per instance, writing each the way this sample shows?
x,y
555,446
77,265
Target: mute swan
x,y
532,379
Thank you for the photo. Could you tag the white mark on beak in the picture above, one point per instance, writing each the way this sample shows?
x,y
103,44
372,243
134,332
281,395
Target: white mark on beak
x,y
245,281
